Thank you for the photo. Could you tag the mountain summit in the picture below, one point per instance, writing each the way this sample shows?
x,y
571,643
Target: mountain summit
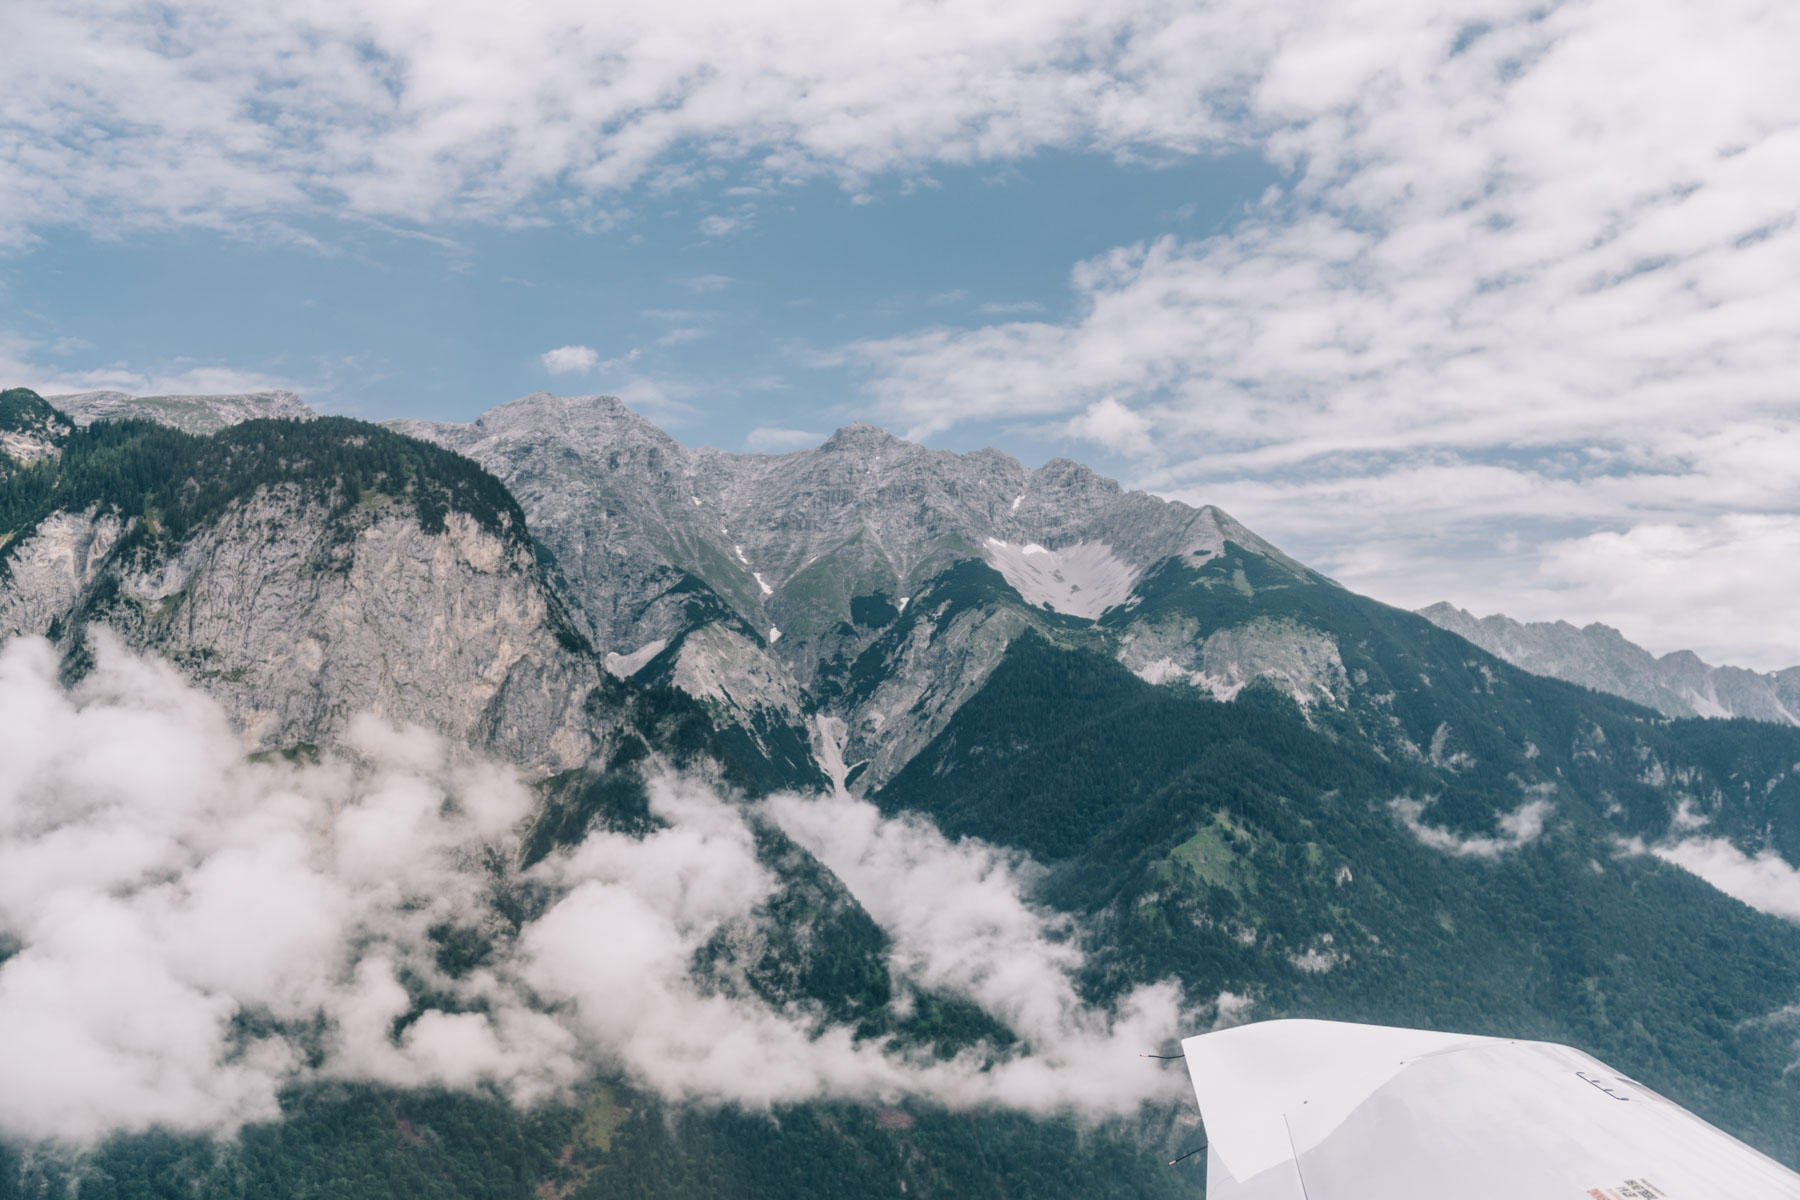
x,y
763,584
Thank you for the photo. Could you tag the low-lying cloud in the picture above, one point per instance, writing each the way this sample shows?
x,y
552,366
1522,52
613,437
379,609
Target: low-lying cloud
x,y
1765,881
1520,827
186,931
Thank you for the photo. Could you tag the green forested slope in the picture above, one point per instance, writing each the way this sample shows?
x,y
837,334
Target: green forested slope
x,y
1237,849
178,480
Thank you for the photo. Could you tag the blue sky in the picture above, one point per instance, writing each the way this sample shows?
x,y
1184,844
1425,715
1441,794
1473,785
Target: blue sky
x,y
714,336
1481,300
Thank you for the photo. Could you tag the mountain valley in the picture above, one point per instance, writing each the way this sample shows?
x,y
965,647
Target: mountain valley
x,y
1207,768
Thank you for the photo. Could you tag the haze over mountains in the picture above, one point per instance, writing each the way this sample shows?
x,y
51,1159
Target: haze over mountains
x,y
539,806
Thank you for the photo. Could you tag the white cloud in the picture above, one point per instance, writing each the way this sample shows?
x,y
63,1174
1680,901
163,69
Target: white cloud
x,y
22,365
1518,828
719,225
960,921
120,116
566,360
1531,276
769,440
155,884
1764,881
1111,424
700,285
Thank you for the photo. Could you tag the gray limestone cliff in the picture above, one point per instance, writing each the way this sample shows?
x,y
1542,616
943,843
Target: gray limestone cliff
x,y
301,602
298,624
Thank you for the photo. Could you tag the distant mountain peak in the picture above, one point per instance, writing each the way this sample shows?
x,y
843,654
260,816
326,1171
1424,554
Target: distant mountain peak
x,y
1678,684
189,413
862,436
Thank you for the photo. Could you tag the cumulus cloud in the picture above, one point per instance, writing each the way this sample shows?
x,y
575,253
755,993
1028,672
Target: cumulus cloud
x,y
721,225
960,922
1520,827
565,360
188,930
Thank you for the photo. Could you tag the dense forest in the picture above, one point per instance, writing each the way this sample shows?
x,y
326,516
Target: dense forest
x,y
177,482
1238,848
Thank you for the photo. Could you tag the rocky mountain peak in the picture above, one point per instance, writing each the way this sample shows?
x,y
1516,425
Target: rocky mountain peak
x,y
1678,684
188,413
546,410
862,438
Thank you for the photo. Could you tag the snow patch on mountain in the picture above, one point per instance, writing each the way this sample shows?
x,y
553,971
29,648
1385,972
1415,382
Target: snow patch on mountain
x,y
626,665
1082,580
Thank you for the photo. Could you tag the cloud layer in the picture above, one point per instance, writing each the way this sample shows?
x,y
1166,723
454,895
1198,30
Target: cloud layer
x,y
120,114
1513,330
186,931
1529,283
1764,881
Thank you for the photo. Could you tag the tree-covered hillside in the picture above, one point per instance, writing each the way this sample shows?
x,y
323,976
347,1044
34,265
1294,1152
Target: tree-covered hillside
x,y
1238,849
177,481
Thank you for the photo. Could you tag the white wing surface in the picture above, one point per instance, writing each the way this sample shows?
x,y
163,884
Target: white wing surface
x,y
1320,1110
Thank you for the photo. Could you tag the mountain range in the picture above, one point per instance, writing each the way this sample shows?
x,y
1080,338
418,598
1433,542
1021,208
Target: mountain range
x,y
1677,684
1219,771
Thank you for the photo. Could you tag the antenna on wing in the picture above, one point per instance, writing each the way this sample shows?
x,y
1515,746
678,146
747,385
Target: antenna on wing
x,y
1189,1154
1162,1056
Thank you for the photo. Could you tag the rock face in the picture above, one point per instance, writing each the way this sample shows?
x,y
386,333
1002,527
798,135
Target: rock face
x,y
30,429
300,601
1597,656
297,628
805,564
190,414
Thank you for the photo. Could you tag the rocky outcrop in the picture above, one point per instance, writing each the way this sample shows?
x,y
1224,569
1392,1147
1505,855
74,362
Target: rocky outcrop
x,y
30,429
191,414
1301,661
297,625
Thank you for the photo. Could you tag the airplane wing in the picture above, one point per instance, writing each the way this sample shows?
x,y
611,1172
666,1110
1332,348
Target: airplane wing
x,y
1322,1110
